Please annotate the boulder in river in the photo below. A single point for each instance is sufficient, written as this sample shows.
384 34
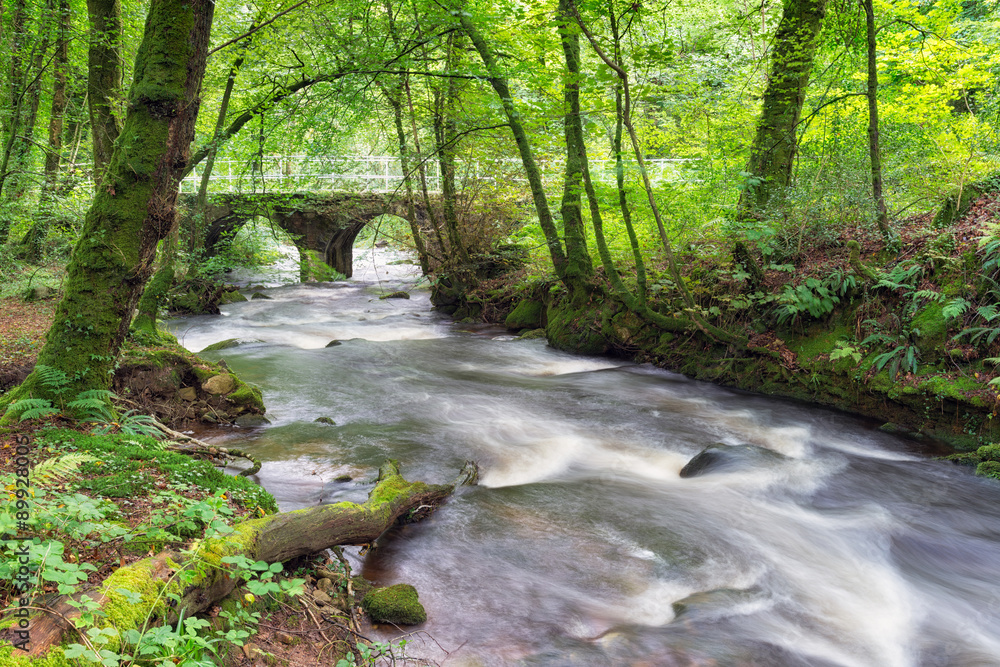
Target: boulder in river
259 295
396 604
715 603
396 295
728 458
250 421
325 420
220 384
529 314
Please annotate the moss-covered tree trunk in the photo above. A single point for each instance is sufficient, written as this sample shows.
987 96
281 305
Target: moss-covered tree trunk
275 538
134 208
579 267
104 80
774 145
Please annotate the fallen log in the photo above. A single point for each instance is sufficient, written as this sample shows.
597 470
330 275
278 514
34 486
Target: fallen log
275 538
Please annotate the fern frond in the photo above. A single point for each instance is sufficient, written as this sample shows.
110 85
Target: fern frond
59 468
96 394
53 378
32 408
955 308
928 294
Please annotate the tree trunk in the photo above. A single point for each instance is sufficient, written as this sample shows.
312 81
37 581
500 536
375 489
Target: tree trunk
275 538
31 244
59 78
104 84
446 131
773 151
133 209
873 149
533 173
195 238
18 102
579 268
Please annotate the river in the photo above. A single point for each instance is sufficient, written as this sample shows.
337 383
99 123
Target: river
822 542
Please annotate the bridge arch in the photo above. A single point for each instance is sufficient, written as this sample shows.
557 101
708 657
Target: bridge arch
325 224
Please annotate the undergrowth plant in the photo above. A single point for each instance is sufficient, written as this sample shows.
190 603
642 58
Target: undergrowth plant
94 406
65 521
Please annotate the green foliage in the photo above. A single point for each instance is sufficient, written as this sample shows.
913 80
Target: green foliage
903 357
814 297
59 468
845 351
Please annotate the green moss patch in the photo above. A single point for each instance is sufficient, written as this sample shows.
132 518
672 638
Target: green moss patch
527 315
128 463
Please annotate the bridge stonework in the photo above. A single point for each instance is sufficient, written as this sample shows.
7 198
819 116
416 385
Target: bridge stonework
327 224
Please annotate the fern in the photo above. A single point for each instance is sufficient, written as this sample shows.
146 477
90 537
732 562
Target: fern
955 308
94 404
33 408
58 468
928 294
53 378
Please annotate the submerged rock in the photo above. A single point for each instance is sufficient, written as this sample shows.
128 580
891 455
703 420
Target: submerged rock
727 458
334 343
714 603
396 295
250 421
325 420
394 604
259 295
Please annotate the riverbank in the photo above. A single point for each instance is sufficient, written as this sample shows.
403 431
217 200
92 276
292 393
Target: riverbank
910 338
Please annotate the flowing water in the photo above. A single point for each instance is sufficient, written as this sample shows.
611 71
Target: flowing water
822 541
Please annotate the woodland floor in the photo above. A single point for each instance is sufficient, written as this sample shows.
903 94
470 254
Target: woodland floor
23 326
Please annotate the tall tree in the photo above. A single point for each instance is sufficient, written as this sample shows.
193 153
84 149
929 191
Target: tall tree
875 155
134 208
773 151
104 83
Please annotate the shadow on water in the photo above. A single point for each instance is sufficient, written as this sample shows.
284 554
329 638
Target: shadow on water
583 545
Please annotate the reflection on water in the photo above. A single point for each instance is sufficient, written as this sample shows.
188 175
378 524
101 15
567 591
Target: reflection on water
583 545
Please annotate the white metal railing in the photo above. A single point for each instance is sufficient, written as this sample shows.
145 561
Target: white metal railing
384 174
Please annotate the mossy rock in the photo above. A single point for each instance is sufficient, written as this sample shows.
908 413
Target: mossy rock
933 328
574 330
395 295
527 315
247 396
223 345
258 295
532 333
233 296
396 604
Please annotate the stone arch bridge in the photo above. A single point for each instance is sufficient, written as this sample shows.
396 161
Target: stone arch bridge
327 223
